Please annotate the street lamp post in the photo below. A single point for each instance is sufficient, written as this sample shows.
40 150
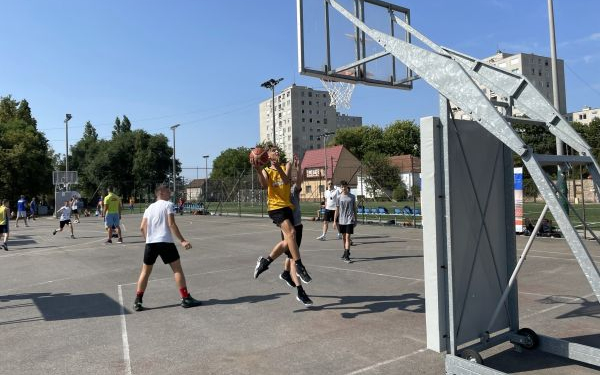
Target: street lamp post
174 171
270 84
324 137
560 173
205 180
67 118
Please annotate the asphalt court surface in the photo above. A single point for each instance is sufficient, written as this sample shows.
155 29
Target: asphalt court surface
66 304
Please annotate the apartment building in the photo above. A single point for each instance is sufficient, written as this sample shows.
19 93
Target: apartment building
302 115
585 116
537 69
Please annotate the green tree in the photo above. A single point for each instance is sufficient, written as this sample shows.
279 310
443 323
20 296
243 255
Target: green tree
24 153
230 163
401 138
382 176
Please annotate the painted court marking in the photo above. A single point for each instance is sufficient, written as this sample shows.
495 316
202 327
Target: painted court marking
368 273
372 367
124 338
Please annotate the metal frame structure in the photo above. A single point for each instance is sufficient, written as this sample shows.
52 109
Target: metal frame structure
459 78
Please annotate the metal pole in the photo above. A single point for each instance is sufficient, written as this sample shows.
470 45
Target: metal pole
205 180
273 107
67 118
174 171
560 173
511 281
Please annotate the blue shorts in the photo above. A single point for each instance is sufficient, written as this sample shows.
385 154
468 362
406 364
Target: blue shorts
112 221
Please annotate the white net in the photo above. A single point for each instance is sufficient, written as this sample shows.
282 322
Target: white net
340 92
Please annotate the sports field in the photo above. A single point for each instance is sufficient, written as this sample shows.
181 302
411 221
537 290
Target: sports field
66 304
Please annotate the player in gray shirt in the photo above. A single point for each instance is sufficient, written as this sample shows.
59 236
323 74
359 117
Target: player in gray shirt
345 215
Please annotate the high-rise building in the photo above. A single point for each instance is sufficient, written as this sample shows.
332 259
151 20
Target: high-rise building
537 69
301 115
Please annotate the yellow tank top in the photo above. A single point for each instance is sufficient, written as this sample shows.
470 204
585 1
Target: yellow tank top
278 192
3 215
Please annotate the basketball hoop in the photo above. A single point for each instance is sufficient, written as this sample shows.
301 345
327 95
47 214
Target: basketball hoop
340 92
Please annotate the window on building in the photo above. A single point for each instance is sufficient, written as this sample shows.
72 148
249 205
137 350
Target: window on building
302 111
302 93
303 119
308 189
309 120
309 102
532 70
310 94
324 121
304 128
318 122
303 102
310 138
318 130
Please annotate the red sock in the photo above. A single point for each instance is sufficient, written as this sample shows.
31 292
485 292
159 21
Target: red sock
184 292
139 293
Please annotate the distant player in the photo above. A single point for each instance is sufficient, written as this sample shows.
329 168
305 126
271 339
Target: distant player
65 218
4 218
112 215
32 208
75 208
158 226
331 196
21 211
345 215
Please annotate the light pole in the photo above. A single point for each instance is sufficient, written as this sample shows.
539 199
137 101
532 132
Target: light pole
205 180
67 118
324 137
560 173
174 172
270 84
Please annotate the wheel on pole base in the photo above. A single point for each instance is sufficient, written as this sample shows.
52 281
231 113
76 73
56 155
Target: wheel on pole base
471 355
531 338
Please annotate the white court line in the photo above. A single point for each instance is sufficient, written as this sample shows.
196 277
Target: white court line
555 258
557 306
372 367
369 273
556 252
124 338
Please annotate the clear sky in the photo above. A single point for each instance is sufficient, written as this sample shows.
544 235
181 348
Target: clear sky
200 63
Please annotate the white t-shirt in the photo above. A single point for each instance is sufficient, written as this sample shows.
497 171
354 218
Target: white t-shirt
157 216
65 213
74 205
331 197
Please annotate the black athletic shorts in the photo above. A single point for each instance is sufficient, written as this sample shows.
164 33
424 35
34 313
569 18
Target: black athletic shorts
4 228
166 250
280 215
74 211
329 215
64 222
298 229
346 228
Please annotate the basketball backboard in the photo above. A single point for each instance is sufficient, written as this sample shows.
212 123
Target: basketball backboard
330 47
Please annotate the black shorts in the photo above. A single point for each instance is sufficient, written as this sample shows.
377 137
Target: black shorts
329 215
349 229
74 211
64 222
166 250
4 228
280 215
298 229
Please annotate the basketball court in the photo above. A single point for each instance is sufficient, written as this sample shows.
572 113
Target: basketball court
66 305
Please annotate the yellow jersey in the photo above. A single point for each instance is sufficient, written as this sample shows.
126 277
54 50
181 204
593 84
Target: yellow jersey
278 192
3 215
112 202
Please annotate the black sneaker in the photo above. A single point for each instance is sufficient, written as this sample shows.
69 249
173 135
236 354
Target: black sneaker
262 264
189 301
5 247
54 232
108 241
285 276
73 236
302 274
347 258
137 305
344 254
302 297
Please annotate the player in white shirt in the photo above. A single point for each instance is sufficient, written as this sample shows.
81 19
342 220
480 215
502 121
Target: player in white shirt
65 218
331 197
158 226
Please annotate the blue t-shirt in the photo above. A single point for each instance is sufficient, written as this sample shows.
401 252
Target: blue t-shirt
21 204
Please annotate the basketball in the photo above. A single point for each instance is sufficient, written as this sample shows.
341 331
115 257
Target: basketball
259 156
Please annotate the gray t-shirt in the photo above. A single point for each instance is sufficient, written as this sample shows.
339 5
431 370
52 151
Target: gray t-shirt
295 199
346 205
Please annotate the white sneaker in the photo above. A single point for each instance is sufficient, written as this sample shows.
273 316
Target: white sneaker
321 237
339 236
